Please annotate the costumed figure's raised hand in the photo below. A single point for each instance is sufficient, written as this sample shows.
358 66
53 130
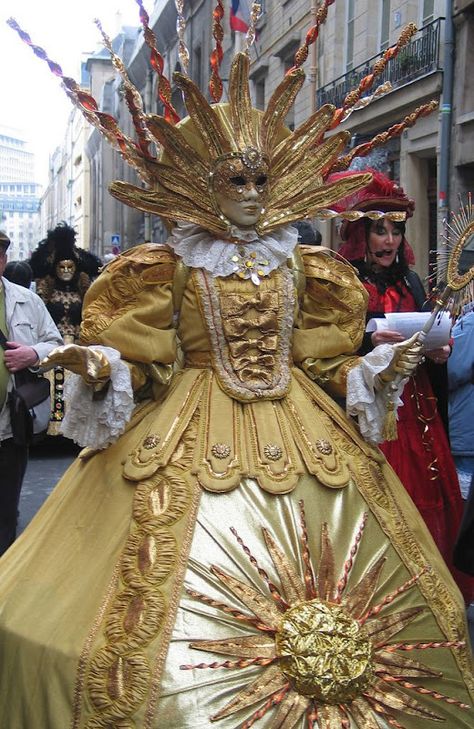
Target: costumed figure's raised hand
91 364
407 355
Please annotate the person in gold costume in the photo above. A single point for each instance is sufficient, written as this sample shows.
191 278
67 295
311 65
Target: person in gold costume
230 549
62 273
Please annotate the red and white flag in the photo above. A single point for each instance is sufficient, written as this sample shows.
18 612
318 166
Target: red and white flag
240 16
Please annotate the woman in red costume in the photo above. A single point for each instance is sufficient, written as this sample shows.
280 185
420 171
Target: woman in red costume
421 454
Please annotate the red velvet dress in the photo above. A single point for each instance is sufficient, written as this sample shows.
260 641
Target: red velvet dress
421 456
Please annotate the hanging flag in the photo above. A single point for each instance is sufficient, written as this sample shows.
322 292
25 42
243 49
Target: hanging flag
240 16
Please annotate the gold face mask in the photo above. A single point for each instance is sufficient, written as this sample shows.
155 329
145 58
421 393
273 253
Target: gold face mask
239 186
65 270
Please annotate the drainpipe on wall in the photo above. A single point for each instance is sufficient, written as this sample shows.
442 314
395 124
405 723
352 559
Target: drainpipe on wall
446 116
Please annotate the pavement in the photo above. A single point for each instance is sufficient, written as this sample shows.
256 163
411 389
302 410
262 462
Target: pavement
46 465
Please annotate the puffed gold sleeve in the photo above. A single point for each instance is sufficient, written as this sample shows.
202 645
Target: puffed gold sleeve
331 320
130 307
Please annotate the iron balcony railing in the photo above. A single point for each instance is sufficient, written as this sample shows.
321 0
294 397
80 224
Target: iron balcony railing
420 57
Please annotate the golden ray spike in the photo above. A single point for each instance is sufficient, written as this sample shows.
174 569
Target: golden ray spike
388 599
170 206
307 204
349 562
290 711
280 103
178 182
240 102
362 714
205 121
274 700
269 682
398 665
326 575
305 136
317 159
345 719
291 582
381 630
361 595
247 646
261 606
386 715
179 152
394 698
329 717
275 593
329 192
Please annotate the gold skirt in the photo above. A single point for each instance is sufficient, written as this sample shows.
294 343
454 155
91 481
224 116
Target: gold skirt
324 606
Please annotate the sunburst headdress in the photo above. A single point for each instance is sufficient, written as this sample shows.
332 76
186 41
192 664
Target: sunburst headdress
197 156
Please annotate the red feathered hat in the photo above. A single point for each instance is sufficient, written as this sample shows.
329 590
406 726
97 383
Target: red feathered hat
381 194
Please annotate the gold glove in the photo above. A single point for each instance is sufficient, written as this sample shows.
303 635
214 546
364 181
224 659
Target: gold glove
407 355
91 364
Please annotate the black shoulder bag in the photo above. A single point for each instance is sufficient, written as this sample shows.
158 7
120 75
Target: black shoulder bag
29 405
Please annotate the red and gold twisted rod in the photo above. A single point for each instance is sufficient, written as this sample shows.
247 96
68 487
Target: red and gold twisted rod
157 63
302 53
423 646
380 139
217 54
424 691
348 564
239 663
367 82
86 103
375 610
183 52
132 96
222 606
308 569
251 33
312 716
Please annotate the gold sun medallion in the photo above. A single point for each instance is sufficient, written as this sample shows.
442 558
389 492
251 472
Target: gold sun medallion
325 649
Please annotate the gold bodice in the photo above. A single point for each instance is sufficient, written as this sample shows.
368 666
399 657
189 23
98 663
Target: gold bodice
244 391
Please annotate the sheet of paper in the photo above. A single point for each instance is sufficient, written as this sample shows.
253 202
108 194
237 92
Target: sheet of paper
408 323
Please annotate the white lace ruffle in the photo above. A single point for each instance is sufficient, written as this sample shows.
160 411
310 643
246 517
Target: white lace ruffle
363 402
98 423
200 249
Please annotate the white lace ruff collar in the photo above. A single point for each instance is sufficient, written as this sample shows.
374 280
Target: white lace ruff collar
252 257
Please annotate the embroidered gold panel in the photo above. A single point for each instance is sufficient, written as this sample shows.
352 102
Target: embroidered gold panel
120 669
249 331
273 441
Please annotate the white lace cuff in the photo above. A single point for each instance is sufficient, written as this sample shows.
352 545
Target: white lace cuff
98 423
363 402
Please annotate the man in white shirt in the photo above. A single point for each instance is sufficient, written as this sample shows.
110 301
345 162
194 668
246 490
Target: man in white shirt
31 334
